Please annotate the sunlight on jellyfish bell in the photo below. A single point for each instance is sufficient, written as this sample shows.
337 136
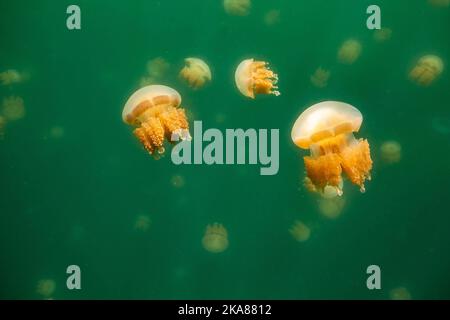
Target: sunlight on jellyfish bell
195 72
300 231
391 152
254 77
215 239
237 7
400 293
46 288
326 129
427 69
349 51
154 111
13 108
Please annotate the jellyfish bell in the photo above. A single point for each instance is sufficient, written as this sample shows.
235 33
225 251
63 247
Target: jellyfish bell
154 111
427 69
196 72
215 239
350 51
13 108
300 231
254 77
326 129
391 151
237 7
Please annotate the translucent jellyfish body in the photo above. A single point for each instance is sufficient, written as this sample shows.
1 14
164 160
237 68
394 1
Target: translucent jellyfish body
2 127
331 208
426 70
391 152
254 77
154 111
215 239
196 72
326 129
272 17
349 52
382 35
237 7
11 76
142 223
13 108
300 231
400 293
46 288
320 78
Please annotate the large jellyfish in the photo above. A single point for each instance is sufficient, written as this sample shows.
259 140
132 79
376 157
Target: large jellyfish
237 7
196 72
426 70
254 77
326 129
215 239
350 51
154 111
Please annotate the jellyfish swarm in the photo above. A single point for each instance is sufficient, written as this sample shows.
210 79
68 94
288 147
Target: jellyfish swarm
255 77
326 129
215 239
426 70
154 111
196 72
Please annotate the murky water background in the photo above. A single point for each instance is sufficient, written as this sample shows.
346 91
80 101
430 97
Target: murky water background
75 181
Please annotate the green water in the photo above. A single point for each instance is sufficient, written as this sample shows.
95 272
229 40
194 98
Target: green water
74 197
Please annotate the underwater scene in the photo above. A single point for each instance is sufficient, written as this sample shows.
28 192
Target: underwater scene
225 149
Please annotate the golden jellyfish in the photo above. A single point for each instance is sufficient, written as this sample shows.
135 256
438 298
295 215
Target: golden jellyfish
196 72
439 3
237 7
426 70
215 239
13 108
400 293
300 231
331 208
349 52
154 111
391 152
326 129
254 77
10 76
320 78
142 223
272 17
46 288
382 35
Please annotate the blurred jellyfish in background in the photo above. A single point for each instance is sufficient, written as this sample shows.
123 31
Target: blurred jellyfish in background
177 181
237 7
300 231
57 132
11 76
320 78
196 72
391 152
382 35
400 293
220 117
46 288
142 223
331 208
254 77
272 17
439 3
215 239
2 127
349 51
13 108
156 70
427 70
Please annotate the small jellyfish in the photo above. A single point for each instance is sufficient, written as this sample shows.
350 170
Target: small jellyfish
326 129
177 181
46 288
300 231
349 52
13 108
154 111
391 152
320 78
237 7
255 77
2 127
426 70
331 208
215 239
56 132
11 76
439 3
157 67
142 223
382 35
146 81
196 72
272 17
400 293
